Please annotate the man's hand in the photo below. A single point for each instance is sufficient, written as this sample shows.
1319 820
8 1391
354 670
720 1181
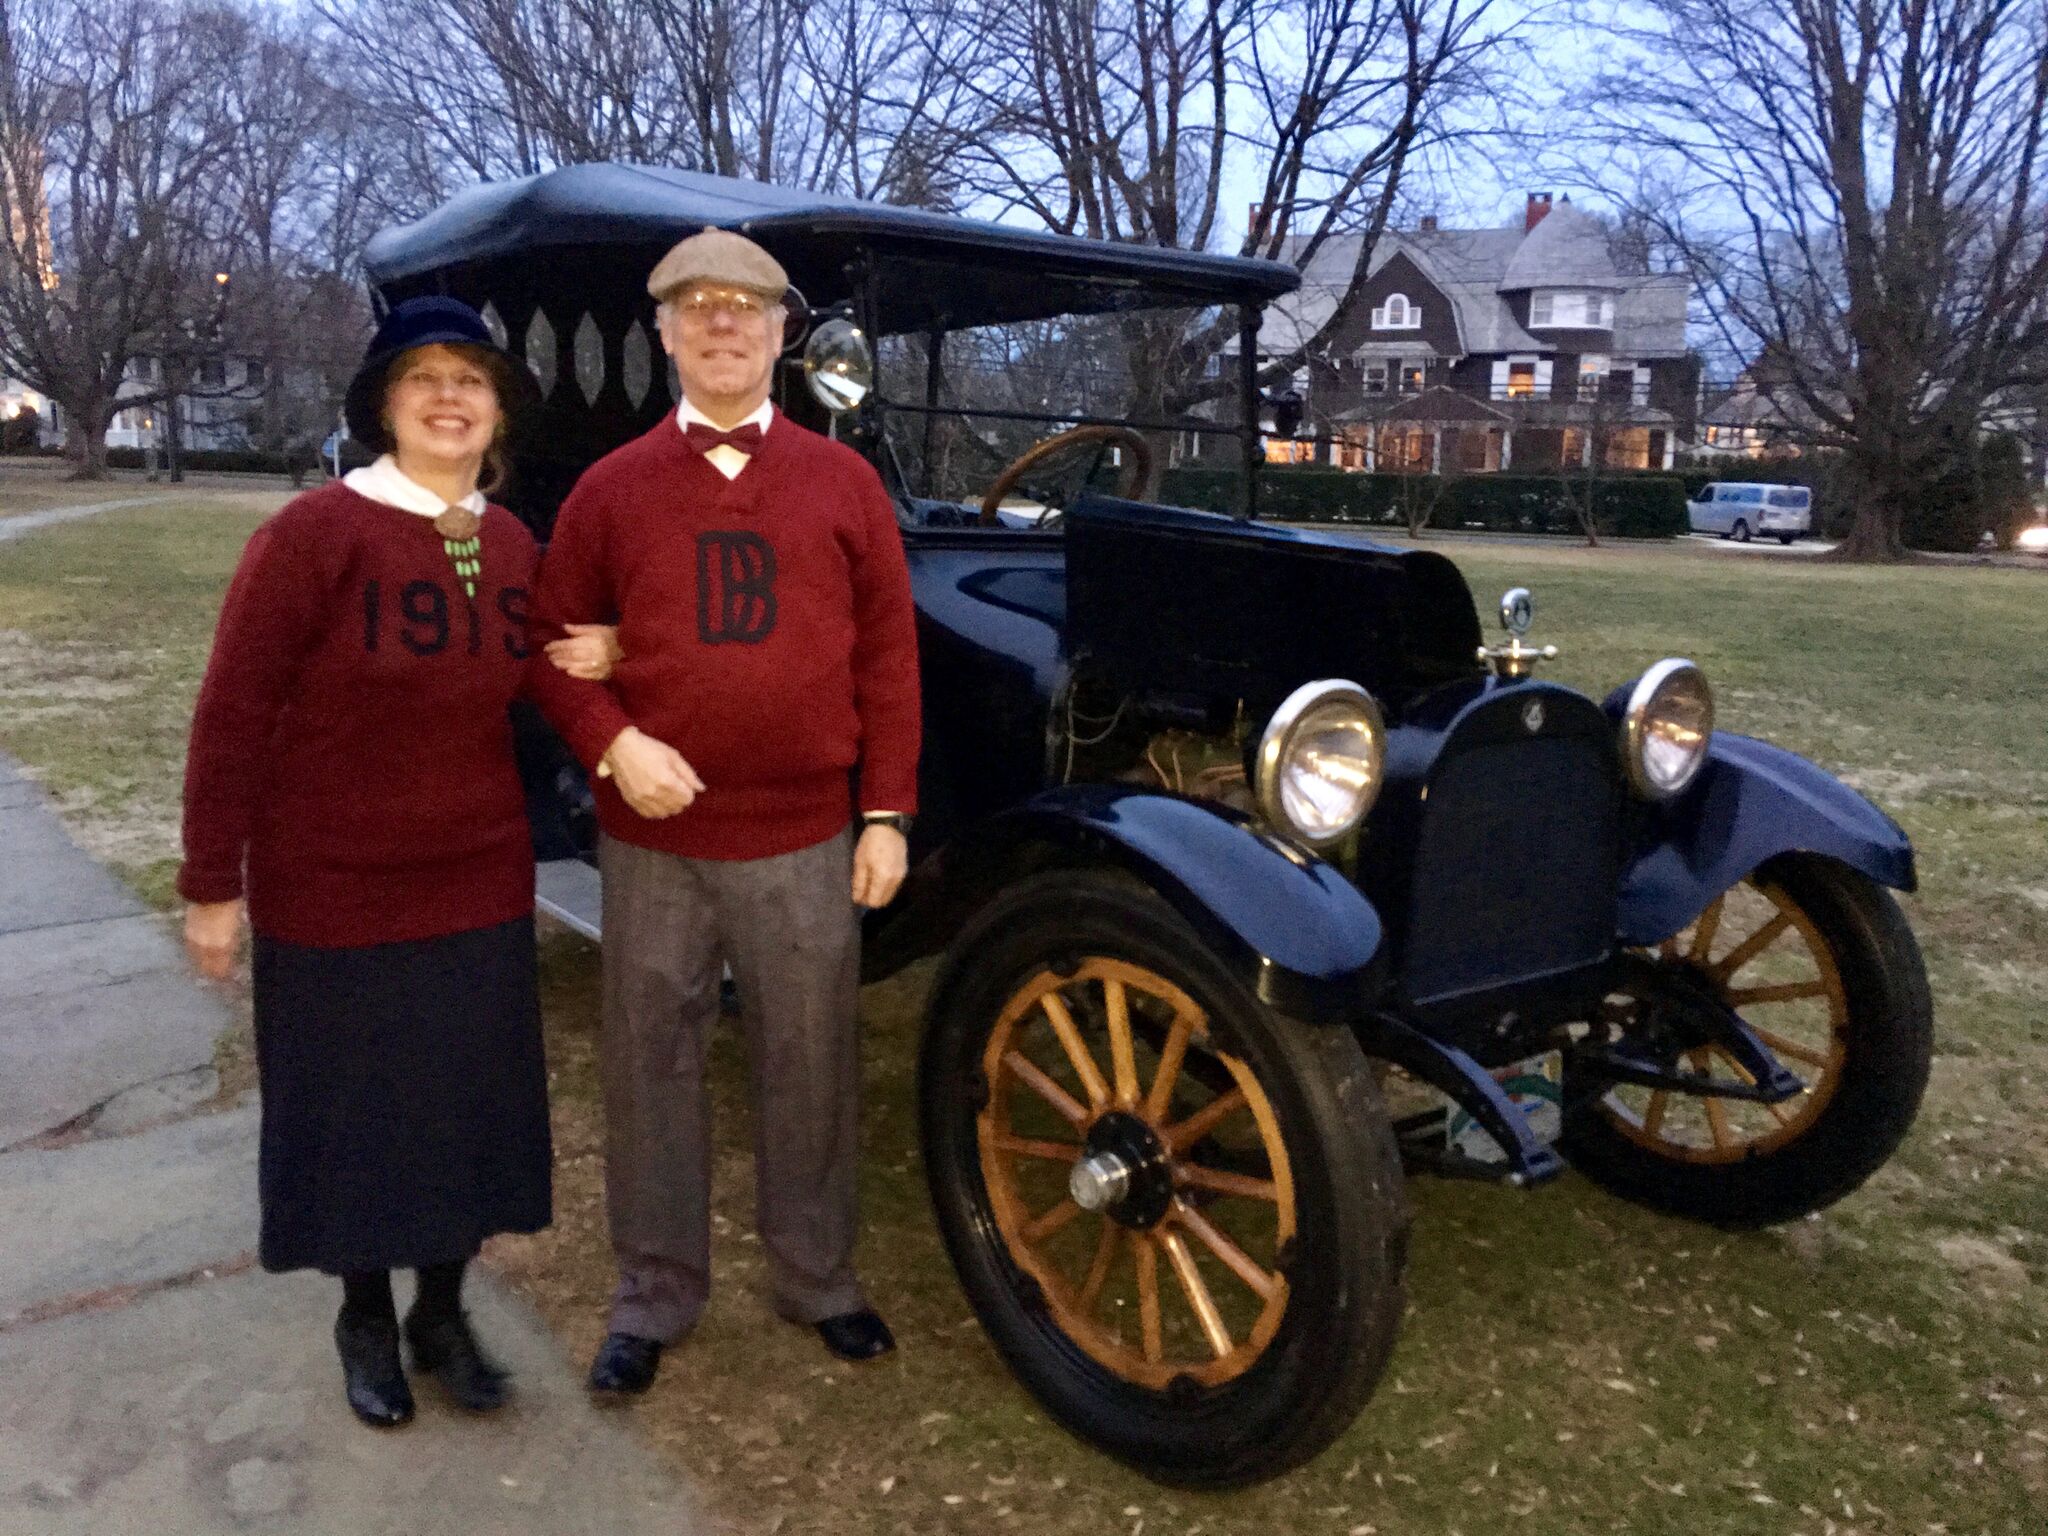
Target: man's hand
879 861
590 651
651 775
213 932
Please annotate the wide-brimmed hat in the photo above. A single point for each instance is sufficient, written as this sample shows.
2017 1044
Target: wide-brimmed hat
423 323
718 256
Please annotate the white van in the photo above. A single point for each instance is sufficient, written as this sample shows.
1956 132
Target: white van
1740 511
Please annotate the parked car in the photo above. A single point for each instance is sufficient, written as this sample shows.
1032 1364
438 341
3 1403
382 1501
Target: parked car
1740 511
1233 836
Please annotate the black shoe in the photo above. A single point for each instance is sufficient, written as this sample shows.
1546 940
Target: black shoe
625 1364
377 1388
856 1335
444 1346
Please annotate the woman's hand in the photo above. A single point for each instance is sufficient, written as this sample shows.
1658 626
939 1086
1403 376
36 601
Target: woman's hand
590 651
213 932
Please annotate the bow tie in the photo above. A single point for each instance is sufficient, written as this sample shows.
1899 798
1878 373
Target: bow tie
703 438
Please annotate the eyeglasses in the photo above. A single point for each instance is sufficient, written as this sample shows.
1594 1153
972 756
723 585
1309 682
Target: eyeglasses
703 303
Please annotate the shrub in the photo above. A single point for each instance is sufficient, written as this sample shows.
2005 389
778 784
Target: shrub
248 461
1628 505
18 432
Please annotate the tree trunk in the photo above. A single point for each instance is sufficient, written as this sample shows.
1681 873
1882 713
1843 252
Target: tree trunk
1879 485
85 438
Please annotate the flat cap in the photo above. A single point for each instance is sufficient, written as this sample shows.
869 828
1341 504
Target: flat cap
718 256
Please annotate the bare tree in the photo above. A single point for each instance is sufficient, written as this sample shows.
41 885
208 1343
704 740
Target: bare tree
840 94
1121 121
109 130
1858 186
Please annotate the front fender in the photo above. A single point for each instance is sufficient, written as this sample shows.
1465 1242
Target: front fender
1300 935
1751 802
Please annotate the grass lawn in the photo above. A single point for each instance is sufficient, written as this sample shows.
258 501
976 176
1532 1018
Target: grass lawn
1570 1364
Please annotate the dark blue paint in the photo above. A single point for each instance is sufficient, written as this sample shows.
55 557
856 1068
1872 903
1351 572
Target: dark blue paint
1751 802
1301 936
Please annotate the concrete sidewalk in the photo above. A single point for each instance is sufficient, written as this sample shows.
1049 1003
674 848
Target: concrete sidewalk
151 1378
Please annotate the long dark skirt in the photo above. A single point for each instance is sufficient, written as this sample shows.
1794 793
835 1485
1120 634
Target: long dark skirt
405 1113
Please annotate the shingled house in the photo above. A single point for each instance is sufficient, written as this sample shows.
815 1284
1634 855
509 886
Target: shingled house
1474 350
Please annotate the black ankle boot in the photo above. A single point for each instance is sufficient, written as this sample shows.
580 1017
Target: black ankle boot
377 1389
443 1345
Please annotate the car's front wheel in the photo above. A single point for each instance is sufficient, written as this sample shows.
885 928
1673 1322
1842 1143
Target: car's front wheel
1820 963
1740 532
1179 1216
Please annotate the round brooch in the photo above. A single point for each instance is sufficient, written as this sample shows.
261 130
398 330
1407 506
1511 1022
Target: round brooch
458 523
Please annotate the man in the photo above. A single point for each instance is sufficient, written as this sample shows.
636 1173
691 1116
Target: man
769 683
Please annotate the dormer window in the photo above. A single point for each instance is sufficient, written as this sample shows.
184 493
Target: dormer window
1563 309
1397 314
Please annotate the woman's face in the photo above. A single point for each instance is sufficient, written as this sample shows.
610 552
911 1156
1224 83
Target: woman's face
442 406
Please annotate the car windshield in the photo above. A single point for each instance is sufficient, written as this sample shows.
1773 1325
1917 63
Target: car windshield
1150 392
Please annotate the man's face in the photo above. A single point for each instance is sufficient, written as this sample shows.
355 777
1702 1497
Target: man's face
724 342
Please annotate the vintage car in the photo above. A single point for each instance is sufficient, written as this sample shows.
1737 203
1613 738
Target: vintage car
1259 878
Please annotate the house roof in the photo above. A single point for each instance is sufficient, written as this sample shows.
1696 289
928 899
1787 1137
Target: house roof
1475 268
1566 246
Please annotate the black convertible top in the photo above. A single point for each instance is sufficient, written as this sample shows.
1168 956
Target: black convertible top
934 269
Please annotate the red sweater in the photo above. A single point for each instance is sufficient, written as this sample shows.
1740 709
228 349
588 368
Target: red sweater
351 740
768 637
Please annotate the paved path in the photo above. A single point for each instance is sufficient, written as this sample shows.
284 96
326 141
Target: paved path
95 999
152 1379
27 522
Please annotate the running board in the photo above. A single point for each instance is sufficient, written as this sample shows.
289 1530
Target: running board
568 890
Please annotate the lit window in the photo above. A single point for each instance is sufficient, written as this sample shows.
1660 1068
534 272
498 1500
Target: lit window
1411 378
1521 380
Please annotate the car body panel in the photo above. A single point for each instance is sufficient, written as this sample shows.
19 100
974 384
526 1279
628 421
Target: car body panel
1751 802
1300 935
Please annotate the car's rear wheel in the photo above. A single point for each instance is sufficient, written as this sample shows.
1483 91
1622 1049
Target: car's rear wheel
1820 963
1740 532
1215 1294
1786 539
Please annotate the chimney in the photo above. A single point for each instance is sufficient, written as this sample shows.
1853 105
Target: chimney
1539 205
1428 225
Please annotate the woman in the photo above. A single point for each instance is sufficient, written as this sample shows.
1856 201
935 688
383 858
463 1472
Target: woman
351 752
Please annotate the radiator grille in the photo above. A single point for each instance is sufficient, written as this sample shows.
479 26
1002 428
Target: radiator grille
1516 868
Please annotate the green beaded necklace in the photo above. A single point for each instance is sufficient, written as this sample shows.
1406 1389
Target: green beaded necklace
461 533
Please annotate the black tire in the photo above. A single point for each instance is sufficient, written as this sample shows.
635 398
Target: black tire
1342 1268
1740 532
1886 1043
1786 539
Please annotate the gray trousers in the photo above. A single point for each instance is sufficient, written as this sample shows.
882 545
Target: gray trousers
788 928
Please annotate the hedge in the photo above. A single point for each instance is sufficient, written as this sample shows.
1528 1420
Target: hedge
1627 504
251 461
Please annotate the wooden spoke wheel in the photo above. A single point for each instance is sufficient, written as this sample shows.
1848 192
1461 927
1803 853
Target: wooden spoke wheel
1179 1216
1821 965
1173 1269
1765 958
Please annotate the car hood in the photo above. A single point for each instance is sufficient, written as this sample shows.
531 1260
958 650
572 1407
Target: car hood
1196 602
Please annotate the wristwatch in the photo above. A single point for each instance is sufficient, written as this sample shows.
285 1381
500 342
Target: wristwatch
896 819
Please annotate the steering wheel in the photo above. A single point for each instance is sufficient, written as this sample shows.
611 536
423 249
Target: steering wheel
1137 468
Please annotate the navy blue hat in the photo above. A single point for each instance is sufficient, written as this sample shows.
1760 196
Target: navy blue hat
423 323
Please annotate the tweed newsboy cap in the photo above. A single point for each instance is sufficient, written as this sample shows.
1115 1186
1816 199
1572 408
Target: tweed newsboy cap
718 256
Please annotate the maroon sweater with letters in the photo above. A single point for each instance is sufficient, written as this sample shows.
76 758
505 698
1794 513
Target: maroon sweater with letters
351 745
767 631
